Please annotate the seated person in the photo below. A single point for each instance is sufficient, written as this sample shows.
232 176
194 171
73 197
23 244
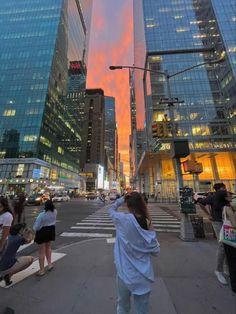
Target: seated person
9 264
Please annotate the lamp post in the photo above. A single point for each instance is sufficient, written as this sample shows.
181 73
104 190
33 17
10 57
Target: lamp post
171 101
186 233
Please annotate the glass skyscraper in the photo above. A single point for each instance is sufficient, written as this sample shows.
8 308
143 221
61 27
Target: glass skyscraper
110 128
39 39
178 35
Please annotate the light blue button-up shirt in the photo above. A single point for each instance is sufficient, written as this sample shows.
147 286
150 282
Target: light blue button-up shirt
133 249
45 219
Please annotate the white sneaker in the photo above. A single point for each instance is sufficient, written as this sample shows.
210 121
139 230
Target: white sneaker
221 277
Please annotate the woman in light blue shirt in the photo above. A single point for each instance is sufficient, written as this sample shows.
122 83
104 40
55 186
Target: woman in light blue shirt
135 243
45 233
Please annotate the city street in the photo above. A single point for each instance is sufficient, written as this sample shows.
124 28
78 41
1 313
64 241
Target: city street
83 281
69 213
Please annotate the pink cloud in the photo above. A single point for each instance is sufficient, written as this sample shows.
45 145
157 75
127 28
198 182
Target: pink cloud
111 42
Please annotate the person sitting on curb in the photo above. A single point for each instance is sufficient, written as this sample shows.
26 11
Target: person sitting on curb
9 264
135 243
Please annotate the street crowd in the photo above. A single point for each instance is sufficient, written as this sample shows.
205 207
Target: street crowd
136 242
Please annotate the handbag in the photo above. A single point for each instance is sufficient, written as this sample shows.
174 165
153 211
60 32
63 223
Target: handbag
227 232
26 232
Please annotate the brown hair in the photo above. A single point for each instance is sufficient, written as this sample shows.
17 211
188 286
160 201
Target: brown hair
136 204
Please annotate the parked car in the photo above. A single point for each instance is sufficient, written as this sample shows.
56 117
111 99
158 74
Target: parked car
35 199
91 196
61 198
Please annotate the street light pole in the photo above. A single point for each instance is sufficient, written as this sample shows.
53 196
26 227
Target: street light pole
186 232
171 101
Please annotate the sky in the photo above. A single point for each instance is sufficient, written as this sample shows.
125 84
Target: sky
111 43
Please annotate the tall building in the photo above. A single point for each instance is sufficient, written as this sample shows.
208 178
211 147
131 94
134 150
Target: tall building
39 39
93 152
110 128
178 35
75 101
132 101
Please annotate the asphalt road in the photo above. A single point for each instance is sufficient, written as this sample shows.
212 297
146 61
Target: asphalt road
69 213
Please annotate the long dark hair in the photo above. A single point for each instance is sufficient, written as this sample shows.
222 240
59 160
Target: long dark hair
136 204
5 205
49 206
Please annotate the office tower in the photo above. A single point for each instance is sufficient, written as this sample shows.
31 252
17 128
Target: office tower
39 39
94 126
75 101
93 152
110 127
178 35
132 101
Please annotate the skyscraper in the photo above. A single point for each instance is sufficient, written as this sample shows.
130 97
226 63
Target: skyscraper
110 127
39 39
179 35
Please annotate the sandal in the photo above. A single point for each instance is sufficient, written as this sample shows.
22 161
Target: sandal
50 268
40 273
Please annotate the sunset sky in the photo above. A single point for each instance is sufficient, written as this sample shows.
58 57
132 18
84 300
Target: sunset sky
111 43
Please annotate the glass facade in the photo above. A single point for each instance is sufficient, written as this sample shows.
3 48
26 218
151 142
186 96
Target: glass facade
39 39
205 111
110 128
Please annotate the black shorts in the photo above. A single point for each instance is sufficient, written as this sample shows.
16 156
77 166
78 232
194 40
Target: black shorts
45 234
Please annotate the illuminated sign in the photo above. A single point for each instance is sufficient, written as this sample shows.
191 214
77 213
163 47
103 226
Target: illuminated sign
192 166
87 174
75 67
100 177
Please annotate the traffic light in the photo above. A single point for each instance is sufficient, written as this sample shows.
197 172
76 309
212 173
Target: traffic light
161 129
154 129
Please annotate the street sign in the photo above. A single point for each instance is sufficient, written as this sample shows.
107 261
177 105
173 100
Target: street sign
156 145
192 166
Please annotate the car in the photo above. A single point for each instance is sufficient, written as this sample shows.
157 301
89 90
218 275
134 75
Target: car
199 195
61 198
113 196
35 199
91 196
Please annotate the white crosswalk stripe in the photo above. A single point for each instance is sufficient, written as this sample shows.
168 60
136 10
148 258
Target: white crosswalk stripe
101 223
32 269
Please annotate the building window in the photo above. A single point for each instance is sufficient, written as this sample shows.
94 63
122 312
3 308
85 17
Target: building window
30 138
60 150
45 141
9 113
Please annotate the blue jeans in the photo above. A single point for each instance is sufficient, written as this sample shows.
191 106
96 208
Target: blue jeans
141 302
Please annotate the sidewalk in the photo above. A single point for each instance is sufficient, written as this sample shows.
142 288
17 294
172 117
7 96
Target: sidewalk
83 282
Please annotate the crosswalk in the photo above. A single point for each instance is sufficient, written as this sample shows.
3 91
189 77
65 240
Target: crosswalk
100 225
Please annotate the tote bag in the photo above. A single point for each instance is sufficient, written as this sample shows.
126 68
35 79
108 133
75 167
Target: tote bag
227 232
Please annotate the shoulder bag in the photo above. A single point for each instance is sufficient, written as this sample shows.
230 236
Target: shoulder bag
227 232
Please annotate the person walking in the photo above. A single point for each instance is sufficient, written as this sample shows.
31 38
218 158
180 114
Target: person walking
217 201
19 207
229 215
44 227
135 243
9 264
6 219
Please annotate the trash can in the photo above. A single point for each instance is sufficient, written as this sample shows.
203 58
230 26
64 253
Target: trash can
197 223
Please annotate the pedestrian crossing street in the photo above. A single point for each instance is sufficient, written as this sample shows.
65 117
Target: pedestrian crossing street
100 225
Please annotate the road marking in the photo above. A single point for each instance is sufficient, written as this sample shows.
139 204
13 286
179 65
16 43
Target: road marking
32 269
86 235
22 247
111 240
95 223
92 228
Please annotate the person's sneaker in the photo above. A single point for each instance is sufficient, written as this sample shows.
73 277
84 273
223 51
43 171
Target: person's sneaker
221 277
